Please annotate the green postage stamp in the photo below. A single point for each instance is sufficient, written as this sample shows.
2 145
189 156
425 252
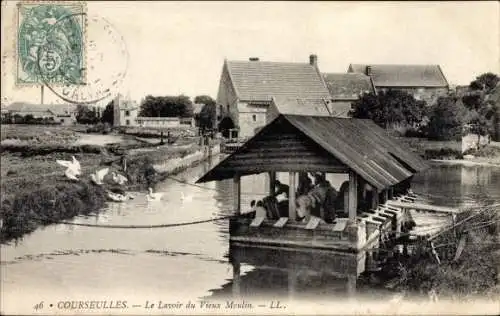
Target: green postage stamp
51 43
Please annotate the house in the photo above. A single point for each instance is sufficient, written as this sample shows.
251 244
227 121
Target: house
246 89
125 111
62 113
425 82
345 88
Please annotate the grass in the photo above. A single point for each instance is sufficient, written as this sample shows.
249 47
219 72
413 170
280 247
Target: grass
28 193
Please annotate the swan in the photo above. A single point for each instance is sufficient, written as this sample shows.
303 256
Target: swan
117 197
154 196
186 198
98 176
74 165
118 178
71 174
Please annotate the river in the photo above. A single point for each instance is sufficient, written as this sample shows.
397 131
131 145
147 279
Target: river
72 262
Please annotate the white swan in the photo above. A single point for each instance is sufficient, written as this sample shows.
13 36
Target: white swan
74 165
154 196
118 178
186 198
98 176
117 197
71 174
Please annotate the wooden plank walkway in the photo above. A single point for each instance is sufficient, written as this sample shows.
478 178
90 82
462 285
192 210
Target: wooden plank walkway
424 207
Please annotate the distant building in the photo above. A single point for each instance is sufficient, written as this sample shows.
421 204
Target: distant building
246 89
61 113
424 82
125 111
345 88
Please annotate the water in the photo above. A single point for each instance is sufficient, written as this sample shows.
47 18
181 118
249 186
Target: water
64 261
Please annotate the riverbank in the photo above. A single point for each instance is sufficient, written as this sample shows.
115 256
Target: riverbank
35 191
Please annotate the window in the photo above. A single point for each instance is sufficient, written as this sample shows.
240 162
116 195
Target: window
254 118
127 122
127 113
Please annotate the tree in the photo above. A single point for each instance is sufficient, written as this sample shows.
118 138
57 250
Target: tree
85 115
485 82
390 108
208 113
108 113
446 119
167 106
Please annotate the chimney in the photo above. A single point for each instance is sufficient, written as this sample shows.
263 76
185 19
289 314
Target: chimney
313 60
368 70
254 58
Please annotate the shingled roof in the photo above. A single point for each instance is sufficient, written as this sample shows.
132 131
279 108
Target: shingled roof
356 144
347 86
261 80
403 75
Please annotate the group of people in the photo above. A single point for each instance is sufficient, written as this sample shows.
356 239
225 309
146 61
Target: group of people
314 199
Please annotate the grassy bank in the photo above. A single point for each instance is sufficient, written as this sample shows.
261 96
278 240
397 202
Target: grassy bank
465 272
35 191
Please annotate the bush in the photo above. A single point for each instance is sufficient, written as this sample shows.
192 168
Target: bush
29 150
50 204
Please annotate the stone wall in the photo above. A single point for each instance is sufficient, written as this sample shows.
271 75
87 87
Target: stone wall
179 164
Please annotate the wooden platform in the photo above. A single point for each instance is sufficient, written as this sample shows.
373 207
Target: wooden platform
424 207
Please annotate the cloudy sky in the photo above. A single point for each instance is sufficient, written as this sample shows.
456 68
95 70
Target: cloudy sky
179 47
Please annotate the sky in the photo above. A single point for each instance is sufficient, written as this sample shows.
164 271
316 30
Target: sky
179 47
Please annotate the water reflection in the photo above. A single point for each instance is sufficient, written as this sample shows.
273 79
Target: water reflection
175 261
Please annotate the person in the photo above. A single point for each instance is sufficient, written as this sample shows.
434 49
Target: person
282 200
252 206
305 184
280 188
304 214
260 211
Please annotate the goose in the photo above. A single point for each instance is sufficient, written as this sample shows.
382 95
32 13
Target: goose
71 174
154 196
73 165
98 176
118 178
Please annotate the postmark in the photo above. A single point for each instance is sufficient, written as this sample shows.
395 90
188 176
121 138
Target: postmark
51 43
107 64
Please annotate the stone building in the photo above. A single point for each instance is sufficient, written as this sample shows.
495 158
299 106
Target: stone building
125 111
246 89
345 88
64 114
424 82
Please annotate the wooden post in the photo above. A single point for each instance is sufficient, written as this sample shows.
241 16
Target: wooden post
351 286
272 178
385 195
353 196
237 194
291 197
374 198
236 280
390 193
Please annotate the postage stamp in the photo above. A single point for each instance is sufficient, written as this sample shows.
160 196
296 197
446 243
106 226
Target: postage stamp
51 39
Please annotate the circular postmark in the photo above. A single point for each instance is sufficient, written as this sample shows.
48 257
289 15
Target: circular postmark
96 81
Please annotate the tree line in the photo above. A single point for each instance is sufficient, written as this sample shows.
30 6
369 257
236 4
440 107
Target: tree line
158 106
448 119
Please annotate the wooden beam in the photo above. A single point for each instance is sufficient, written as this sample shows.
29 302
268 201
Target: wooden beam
291 197
272 178
374 198
353 195
237 194
425 207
